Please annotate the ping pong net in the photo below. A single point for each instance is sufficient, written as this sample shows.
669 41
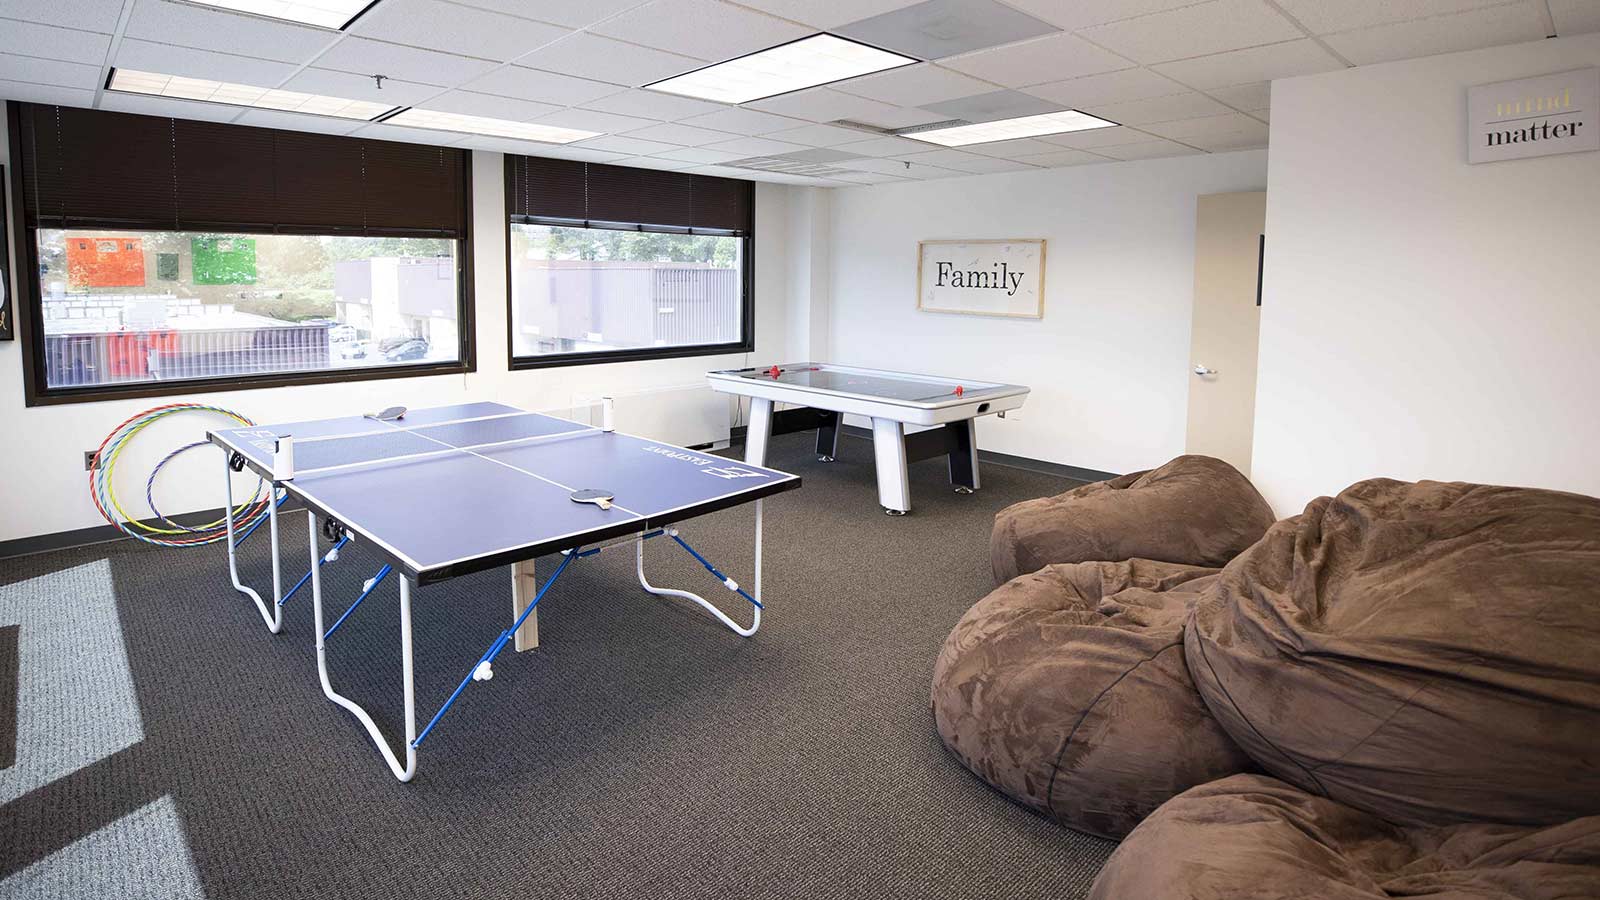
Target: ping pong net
396 442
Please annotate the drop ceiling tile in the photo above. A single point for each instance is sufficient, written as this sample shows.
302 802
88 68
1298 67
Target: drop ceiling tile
1265 63
939 28
1323 17
970 163
817 135
632 146
89 15
737 120
884 146
557 12
822 105
49 42
541 87
52 72
1016 149
368 57
603 59
168 106
1037 61
821 155
208 28
706 29
699 156
349 85
433 137
1443 34
993 105
652 105
1112 87
826 14
869 178
1062 157
589 120
1575 16
894 167
1226 143
916 85
1212 27
470 103
684 135
1160 109
1148 150
1075 14
504 145
754 146
451 28
655 162
723 172
1097 137
1248 97
167 59
44 93
269 118
1208 126
889 116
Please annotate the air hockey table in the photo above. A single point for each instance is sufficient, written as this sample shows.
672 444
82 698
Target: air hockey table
946 408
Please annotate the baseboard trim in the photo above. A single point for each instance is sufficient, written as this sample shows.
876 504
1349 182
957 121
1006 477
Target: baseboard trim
98 534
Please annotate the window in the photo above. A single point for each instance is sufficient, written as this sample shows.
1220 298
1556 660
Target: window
173 256
608 263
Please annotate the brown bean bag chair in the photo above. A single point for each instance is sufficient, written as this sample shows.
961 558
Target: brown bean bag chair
1194 510
1251 837
1066 689
1427 652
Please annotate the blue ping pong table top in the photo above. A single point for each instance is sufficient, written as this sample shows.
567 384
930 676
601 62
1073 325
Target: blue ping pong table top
436 510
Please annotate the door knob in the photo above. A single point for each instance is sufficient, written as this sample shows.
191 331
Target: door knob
1201 370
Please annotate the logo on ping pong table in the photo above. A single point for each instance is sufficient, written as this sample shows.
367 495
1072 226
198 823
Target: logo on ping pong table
727 471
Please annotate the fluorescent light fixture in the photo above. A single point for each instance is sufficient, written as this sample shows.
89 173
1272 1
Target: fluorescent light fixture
322 13
522 131
808 62
1008 129
132 81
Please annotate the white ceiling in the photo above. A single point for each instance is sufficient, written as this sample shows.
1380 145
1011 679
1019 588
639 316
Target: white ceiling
1183 77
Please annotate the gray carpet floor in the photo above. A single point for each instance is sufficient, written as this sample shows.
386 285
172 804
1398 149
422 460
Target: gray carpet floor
641 751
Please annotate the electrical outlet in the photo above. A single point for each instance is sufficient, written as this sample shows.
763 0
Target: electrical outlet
89 461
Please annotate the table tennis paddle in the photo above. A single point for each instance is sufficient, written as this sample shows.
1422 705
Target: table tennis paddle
389 415
599 498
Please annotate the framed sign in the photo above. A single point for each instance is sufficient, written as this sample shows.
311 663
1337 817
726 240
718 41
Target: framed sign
7 328
982 277
1534 116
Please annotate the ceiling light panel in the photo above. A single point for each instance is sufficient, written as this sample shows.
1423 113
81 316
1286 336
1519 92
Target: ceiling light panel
522 131
1009 129
321 13
808 62
132 81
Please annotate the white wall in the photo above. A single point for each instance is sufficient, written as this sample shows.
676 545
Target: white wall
44 486
1108 363
1424 318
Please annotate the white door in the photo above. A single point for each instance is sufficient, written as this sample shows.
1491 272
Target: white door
1226 325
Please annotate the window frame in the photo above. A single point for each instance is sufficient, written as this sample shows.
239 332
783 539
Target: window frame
747 301
27 309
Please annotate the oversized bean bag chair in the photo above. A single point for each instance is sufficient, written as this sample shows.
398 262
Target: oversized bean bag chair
1251 837
1194 510
1428 653
1066 689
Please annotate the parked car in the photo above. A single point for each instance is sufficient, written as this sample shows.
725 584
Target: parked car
406 350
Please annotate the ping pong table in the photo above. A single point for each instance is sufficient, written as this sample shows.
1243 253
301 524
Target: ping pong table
451 490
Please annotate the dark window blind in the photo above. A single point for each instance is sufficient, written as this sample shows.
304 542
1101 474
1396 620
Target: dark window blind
541 188
93 168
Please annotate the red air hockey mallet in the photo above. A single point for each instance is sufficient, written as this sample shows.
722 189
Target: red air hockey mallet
774 371
959 390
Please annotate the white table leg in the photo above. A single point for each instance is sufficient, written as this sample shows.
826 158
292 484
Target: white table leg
272 615
889 448
758 431
524 587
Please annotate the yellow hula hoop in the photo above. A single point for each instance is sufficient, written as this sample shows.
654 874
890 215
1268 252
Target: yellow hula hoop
111 485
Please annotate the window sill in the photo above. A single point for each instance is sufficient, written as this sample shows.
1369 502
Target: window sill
99 393
556 360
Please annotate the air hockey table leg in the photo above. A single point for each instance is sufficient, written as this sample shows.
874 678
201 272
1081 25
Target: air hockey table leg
889 450
962 438
758 431
524 587
828 438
